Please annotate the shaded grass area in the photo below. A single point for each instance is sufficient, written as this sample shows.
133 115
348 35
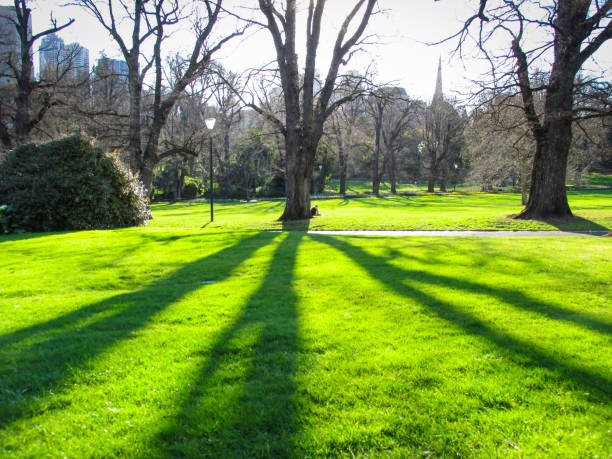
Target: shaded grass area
157 342
598 180
448 211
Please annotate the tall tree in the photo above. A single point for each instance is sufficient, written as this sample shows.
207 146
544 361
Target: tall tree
228 110
441 134
306 108
344 127
24 101
499 144
391 112
573 31
150 23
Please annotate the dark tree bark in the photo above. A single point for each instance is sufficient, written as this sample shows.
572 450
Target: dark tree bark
306 113
376 169
443 173
431 179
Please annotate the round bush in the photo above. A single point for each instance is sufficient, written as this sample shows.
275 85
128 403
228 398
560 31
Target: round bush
69 184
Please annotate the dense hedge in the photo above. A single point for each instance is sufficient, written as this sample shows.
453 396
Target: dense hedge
69 184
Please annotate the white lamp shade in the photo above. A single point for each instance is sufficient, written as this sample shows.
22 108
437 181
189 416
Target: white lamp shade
210 123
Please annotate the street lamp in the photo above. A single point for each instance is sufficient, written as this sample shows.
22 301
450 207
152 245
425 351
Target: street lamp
210 124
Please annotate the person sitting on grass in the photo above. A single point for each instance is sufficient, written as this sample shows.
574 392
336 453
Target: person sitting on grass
314 212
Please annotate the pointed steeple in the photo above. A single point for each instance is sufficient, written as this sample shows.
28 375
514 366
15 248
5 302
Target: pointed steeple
438 95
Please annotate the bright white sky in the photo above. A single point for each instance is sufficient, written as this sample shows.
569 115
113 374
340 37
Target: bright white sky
400 55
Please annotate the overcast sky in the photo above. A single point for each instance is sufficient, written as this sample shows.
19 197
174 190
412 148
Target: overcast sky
400 54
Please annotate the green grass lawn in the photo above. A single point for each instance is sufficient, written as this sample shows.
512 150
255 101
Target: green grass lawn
440 211
177 340
364 186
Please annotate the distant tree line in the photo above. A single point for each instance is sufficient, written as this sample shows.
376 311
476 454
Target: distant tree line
285 130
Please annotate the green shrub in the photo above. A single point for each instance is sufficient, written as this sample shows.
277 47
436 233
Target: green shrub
69 184
192 188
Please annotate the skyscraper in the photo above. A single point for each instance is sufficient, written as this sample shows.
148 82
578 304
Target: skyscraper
80 59
110 82
56 57
10 46
49 53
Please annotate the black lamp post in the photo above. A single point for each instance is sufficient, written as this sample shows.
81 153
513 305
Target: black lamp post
210 124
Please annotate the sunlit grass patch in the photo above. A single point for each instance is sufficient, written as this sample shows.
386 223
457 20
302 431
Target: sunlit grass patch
159 341
446 211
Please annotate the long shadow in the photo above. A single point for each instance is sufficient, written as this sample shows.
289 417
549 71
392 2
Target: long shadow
576 224
59 323
44 355
296 225
526 353
25 236
510 296
243 402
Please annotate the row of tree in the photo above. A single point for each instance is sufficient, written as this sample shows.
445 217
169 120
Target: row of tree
285 121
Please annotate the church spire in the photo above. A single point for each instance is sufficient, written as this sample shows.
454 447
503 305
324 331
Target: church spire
438 95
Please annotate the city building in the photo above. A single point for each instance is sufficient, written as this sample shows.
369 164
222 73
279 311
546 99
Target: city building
10 46
118 67
56 57
110 82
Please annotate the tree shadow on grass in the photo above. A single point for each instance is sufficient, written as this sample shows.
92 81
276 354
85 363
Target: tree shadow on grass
296 225
39 359
525 353
514 297
26 236
243 402
577 224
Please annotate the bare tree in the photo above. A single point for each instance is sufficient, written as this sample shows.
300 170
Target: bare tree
500 145
228 106
150 24
572 32
391 113
441 134
307 109
346 126
24 101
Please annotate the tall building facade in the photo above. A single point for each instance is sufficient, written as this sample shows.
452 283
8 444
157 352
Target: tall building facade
110 82
118 67
56 57
10 45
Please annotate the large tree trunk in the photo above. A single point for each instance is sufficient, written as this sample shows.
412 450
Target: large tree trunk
341 163
378 138
342 174
431 180
297 206
134 136
376 185
392 173
146 175
548 197
298 176
443 171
